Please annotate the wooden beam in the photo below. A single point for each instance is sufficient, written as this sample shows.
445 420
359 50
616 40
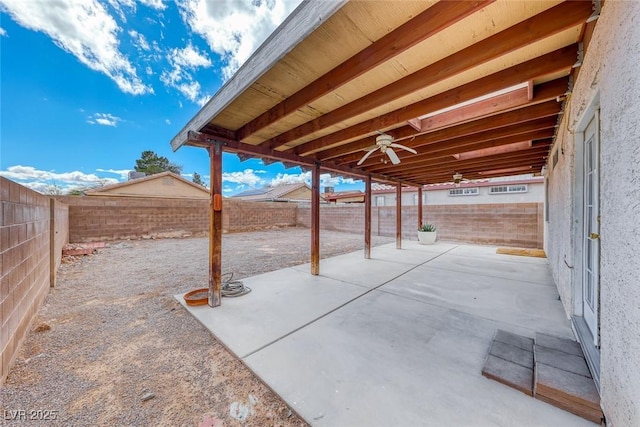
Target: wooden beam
199 139
524 159
545 93
486 107
315 220
419 207
367 217
537 130
545 24
560 60
215 227
398 216
433 20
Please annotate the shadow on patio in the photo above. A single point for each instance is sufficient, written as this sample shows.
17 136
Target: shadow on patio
399 339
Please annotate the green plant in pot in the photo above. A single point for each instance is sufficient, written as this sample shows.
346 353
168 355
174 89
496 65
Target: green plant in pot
427 234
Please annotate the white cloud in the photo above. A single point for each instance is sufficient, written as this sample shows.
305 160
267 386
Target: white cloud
3 32
139 40
247 177
227 190
155 4
286 178
234 29
118 5
124 173
167 121
183 62
48 181
85 29
104 119
325 179
149 71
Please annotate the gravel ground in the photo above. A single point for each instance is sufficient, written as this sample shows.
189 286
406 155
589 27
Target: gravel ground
112 347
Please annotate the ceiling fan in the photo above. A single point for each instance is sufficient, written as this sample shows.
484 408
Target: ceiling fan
385 144
457 179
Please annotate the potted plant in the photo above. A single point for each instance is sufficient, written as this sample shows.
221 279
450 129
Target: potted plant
427 234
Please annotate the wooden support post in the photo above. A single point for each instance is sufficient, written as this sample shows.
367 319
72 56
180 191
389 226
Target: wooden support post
215 226
398 216
419 207
367 217
315 220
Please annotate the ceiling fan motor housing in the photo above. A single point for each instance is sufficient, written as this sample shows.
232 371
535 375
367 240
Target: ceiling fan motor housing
384 139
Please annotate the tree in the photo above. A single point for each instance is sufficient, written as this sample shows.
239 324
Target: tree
198 180
150 163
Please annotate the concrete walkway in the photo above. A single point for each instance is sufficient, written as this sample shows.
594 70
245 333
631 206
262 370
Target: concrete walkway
397 340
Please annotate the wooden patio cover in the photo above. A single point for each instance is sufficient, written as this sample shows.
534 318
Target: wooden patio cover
475 87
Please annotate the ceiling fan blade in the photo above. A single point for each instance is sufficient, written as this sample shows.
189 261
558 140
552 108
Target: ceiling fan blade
367 155
371 147
404 147
392 156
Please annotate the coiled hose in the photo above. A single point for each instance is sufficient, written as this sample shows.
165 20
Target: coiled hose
233 288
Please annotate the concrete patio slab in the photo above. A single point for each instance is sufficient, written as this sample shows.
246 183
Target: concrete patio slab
385 264
524 271
477 251
387 342
517 303
279 302
390 361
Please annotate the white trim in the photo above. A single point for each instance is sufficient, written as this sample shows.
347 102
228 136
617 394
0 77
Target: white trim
466 191
302 22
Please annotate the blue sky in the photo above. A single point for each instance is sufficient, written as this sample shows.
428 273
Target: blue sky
87 85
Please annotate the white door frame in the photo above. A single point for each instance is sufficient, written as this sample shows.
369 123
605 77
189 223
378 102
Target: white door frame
589 341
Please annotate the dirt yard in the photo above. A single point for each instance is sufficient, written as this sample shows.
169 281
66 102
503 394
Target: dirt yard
112 347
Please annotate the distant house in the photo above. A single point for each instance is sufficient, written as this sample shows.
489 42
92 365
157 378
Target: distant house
165 185
281 193
515 189
344 197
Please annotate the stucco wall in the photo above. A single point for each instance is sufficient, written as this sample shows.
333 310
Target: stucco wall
534 194
610 69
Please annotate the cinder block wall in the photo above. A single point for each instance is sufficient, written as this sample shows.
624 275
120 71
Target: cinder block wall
115 218
509 224
93 219
240 215
26 261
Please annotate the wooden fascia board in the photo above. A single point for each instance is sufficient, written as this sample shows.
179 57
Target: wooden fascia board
199 139
550 63
433 20
545 24
300 23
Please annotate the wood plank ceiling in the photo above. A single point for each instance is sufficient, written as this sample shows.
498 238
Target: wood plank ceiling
475 87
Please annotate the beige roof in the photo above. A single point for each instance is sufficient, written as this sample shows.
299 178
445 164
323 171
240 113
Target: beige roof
165 184
474 87
276 193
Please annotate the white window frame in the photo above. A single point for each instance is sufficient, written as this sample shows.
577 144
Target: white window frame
378 199
466 191
511 188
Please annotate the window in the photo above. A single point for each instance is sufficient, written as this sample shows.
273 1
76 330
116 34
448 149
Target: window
504 189
472 191
415 199
379 200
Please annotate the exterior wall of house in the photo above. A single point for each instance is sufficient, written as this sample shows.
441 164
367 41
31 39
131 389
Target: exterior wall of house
513 224
610 72
534 194
302 193
32 233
